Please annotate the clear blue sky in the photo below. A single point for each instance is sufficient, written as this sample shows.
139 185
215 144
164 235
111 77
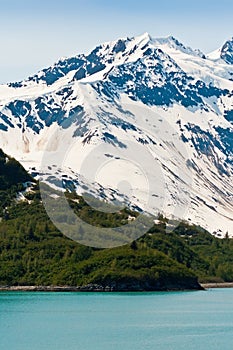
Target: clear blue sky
34 34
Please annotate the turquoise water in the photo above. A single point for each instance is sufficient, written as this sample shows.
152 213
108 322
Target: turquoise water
98 321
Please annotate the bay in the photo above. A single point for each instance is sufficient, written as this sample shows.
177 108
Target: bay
125 321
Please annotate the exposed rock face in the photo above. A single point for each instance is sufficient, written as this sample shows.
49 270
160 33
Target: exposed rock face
227 51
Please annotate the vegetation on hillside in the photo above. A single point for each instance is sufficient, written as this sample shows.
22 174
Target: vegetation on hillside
34 252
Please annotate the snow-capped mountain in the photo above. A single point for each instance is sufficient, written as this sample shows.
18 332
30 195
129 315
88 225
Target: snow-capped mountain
152 112
224 53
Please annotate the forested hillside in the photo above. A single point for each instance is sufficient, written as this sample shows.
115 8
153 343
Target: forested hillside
34 252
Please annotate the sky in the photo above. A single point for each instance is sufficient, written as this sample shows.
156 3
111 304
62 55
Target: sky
34 34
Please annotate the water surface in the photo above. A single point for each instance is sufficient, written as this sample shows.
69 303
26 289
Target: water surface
125 321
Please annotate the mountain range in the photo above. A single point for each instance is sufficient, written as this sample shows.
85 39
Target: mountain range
138 120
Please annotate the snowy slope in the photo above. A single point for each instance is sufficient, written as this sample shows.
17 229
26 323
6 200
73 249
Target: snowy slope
140 120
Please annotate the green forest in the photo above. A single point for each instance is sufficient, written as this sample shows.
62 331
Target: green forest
34 252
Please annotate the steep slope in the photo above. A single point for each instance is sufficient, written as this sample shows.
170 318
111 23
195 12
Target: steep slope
225 53
11 172
151 110
14 182
31 248
34 253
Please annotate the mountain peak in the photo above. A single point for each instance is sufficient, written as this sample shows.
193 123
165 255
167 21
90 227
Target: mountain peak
168 40
103 56
144 39
172 43
145 36
227 51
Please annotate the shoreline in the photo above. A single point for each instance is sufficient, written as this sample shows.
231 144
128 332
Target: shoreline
99 288
217 285
87 288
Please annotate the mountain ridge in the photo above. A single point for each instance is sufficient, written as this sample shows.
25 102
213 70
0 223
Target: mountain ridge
72 63
102 97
